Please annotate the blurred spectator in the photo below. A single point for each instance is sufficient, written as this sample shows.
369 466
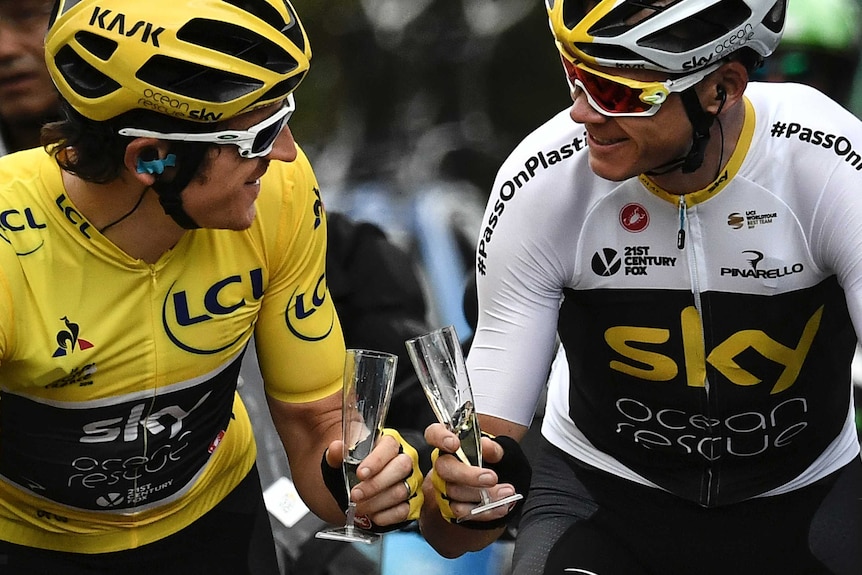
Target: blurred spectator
821 47
27 95
390 74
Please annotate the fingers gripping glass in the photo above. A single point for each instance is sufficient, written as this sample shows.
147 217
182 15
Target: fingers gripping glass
253 142
617 96
439 364
369 377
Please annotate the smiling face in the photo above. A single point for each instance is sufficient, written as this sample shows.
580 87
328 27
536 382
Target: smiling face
26 90
625 147
222 195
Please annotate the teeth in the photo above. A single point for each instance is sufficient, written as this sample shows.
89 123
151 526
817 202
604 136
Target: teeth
606 142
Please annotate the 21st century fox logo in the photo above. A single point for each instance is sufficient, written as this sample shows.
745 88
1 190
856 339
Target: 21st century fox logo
635 261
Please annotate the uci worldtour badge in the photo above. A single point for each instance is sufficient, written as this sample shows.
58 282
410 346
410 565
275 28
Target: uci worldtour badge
192 316
308 316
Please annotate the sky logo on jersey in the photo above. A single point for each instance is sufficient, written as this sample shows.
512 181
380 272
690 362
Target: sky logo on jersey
307 317
189 315
68 340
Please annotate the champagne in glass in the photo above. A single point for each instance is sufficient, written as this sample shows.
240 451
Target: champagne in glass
439 363
369 377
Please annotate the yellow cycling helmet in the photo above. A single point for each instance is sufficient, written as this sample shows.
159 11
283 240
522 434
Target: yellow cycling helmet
198 60
676 36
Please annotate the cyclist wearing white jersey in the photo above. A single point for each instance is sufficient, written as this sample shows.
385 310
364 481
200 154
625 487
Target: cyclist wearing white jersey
694 240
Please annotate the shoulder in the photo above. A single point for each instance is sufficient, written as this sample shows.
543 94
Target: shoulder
555 142
787 110
801 130
24 166
289 187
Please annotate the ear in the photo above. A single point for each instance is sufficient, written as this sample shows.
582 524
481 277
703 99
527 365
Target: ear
146 158
724 88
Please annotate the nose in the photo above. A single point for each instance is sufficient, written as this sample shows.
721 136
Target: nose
582 111
284 148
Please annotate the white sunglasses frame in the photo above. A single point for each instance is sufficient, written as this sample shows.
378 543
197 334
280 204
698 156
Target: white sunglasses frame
243 139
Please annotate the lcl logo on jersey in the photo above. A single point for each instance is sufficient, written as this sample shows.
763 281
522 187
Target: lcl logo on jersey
304 316
18 222
184 311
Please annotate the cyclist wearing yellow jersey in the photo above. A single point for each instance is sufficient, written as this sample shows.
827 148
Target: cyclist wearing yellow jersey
694 241
169 218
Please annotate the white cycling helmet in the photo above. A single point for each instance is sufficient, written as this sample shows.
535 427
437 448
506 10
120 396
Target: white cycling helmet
676 36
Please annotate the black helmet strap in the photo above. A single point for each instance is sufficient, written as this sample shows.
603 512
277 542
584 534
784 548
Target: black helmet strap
701 122
189 160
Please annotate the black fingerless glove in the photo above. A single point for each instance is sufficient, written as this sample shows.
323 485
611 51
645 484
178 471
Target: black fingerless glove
333 478
335 481
513 468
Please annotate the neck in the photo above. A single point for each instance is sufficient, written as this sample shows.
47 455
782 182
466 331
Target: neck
723 138
144 232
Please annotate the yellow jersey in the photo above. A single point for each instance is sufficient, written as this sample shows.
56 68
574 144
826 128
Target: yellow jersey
119 418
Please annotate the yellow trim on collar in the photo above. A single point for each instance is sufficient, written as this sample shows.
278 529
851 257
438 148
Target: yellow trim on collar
739 154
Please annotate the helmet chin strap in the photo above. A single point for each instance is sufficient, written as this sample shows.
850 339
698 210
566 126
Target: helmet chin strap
701 122
170 192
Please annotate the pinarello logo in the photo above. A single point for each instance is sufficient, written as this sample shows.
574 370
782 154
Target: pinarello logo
634 218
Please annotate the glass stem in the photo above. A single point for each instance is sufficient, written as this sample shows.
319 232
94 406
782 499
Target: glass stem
351 515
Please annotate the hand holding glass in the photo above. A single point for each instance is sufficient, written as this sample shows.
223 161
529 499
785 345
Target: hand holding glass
368 380
439 363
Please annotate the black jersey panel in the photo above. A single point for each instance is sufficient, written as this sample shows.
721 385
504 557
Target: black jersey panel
734 417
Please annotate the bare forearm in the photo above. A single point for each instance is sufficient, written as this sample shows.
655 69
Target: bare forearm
306 432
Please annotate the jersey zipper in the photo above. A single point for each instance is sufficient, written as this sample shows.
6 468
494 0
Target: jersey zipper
708 479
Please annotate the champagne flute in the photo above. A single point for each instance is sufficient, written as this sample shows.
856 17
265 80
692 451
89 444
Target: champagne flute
439 364
368 381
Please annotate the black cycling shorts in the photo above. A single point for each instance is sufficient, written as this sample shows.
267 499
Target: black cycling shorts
234 538
580 520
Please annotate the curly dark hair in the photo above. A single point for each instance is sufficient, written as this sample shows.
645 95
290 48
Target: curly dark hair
94 151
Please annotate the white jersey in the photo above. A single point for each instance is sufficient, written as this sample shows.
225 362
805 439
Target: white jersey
709 336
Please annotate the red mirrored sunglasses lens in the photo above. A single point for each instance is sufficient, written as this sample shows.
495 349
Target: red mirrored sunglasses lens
611 96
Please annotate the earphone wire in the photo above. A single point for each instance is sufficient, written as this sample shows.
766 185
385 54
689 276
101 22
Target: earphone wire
126 215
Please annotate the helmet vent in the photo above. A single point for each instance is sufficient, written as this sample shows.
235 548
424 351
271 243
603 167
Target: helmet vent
608 52
99 46
264 10
195 81
238 42
83 78
574 11
283 88
702 28
774 20
628 15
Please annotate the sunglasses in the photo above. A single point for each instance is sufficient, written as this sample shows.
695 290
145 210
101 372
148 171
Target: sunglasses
617 96
252 142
